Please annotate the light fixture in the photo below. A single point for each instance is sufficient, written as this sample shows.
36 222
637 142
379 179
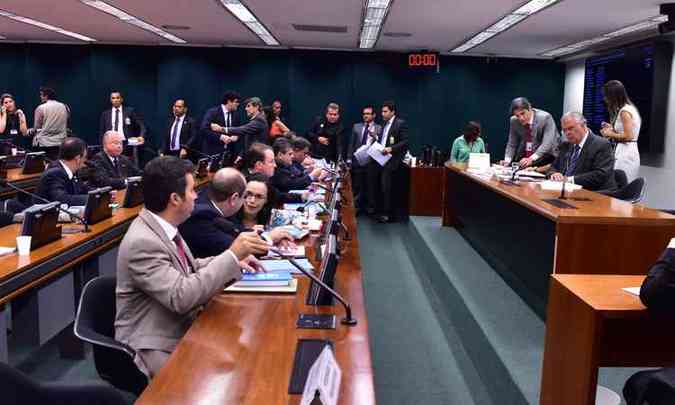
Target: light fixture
373 16
504 23
130 19
637 27
243 14
45 26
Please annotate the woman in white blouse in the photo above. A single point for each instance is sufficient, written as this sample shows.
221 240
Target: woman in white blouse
624 129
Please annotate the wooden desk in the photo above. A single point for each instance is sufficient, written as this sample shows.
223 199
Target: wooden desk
592 323
426 185
26 181
525 238
240 349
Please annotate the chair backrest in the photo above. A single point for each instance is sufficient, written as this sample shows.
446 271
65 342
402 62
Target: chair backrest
95 324
620 178
634 192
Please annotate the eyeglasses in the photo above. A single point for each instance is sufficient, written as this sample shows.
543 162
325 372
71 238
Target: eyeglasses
255 196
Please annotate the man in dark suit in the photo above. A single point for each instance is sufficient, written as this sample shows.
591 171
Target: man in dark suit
122 119
255 130
181 130
214 140
394 138
259 158
585 159
326 134
362 133
286 177
658 289
533 135
109 167
59 182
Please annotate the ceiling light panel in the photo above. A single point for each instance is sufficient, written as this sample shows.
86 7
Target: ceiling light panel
504 23
374 14
40 24
132 20
243 14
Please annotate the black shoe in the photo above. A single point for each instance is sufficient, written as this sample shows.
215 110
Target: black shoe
383 219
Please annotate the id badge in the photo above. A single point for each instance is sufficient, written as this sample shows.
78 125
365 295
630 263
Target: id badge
127 121
528 146
13 132
671 245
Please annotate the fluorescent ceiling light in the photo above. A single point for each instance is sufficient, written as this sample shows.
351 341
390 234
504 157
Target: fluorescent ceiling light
45 26
243 14
504 23
130 19
637 27
374 14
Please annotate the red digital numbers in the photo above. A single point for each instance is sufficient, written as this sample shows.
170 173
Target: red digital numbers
422 59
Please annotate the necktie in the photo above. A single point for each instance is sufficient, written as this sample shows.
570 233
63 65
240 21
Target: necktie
572 164
528 140
227 119
364 136
174 135
181 253
116 166
117 120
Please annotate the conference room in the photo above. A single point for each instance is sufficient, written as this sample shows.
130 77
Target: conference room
337 202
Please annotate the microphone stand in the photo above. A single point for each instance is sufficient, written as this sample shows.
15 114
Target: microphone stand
348 319
562 191
4 182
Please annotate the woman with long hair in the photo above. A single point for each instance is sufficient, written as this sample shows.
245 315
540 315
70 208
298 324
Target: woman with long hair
624 128
12 120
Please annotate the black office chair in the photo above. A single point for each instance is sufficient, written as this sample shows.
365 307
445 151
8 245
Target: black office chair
94 324
19 389
656 387
634 192
620 178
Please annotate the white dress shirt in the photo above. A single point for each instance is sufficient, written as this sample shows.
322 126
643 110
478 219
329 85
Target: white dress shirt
67 169
120 122
385 131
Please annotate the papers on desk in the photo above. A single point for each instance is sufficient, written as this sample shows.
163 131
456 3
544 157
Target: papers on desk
6 250
299 251
479 163
324 379
632 290
375 152
550 185
291 288
270 279
361 154
285 266
532 173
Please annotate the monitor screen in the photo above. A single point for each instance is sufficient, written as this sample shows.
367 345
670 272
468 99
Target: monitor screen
318 295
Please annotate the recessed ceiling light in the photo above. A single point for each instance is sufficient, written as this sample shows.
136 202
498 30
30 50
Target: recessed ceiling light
243 14
45 26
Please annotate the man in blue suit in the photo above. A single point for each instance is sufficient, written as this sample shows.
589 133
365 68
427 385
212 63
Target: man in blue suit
216 120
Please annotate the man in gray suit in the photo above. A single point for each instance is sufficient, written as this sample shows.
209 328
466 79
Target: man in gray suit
533 135
362 133
585 159
160 286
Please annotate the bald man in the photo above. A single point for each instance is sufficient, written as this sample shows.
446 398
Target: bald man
109 167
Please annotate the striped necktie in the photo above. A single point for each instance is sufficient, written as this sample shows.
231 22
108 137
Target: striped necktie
572 164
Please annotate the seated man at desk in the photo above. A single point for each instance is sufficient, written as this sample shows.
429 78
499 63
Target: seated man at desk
109 167
210 229
259 158
585 159
60 182
161 287
287 177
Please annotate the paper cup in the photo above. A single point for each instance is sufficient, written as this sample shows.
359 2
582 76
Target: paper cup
13 151
23 245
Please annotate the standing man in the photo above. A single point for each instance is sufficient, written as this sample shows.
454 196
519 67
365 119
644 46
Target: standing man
214 141
362 133
277 111
109 167
533 135
255 130
394 138
181 130
326 134
122 119
51 123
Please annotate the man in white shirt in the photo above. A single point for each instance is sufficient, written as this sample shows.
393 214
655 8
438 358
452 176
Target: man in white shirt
122 119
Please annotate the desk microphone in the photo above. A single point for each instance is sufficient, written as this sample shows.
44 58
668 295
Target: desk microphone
347 320
200 153
4 182
562 191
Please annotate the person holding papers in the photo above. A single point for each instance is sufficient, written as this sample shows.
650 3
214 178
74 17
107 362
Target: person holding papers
393 144
363 134
532 135
286 177
585 159
161 287
468 143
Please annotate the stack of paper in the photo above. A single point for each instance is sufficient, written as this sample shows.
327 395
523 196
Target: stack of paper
375 152
271 279
285 266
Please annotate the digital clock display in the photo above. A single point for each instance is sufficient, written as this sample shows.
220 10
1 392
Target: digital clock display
422 61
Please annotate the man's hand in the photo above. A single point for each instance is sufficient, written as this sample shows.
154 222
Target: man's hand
304 195
316 173
558 177
323 140
234 138
225 139
251 265
217 128
248 243
386 151
183 153
281 237
525 162
504 163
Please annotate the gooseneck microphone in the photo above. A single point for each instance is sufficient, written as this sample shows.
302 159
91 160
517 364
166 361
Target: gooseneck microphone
348 319
4 182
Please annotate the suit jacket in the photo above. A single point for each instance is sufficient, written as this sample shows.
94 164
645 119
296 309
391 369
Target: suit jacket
55 185
595 167
397 140
276 197
157 297
187 136
287 178
256 130
102 173
544 136
207 232
210 142
132 122
335 134
658 289
356 140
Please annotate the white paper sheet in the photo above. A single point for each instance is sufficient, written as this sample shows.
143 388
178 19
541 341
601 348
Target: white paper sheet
632 290
361 154
375 152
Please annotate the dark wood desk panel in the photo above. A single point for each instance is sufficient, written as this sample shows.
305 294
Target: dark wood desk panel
26 181
426 185
525 238
593 323
241 347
